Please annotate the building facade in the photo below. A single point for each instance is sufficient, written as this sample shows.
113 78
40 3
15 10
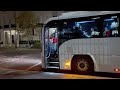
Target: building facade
8 31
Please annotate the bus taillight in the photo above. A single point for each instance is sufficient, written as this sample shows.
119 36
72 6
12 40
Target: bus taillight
117 70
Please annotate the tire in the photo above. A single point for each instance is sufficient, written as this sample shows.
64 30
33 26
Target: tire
82 65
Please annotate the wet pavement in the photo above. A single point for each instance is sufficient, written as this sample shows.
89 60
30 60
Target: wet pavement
20 59
12 73
23 74
26 64
52 75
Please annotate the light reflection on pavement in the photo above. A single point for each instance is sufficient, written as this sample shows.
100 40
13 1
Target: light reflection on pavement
51 75
21 62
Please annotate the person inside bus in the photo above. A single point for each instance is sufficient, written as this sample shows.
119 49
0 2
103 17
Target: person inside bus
94 32
78 33
51 43
114 27
106 32
55 43
63 32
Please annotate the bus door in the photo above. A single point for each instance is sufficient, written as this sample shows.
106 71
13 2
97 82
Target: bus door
51 48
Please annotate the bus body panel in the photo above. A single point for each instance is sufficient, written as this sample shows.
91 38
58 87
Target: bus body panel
78 14
43 51
106 54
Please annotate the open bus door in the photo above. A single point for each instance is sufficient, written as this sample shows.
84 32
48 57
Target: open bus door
51 48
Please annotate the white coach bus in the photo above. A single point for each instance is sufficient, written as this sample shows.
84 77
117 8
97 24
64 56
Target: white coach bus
82 41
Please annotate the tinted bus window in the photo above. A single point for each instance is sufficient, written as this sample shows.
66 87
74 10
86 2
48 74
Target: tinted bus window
79 29
110 27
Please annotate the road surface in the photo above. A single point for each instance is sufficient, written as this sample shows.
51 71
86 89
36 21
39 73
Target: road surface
23 74
26 64
20 59
51 75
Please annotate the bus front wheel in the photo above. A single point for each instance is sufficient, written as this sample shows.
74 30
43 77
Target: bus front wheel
82 65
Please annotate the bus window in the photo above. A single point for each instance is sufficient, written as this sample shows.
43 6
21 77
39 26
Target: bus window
67 30
87 29
82 29
110 27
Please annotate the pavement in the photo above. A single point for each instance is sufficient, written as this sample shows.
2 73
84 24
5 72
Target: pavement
52 75
11 73
24 74
25 63
20 59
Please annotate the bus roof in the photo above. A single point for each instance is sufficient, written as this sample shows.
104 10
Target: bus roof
77 14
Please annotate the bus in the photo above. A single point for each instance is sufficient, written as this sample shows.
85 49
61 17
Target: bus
82 41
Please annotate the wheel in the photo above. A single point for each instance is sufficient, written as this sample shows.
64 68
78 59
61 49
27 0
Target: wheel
82 65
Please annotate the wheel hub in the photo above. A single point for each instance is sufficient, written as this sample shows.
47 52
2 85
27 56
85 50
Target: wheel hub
82 65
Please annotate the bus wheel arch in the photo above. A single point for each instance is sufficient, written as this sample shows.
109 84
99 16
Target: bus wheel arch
82 64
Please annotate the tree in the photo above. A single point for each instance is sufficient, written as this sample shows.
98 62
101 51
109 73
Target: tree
26 22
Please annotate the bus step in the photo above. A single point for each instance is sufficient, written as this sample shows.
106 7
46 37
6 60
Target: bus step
54 58
53 67
53 62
